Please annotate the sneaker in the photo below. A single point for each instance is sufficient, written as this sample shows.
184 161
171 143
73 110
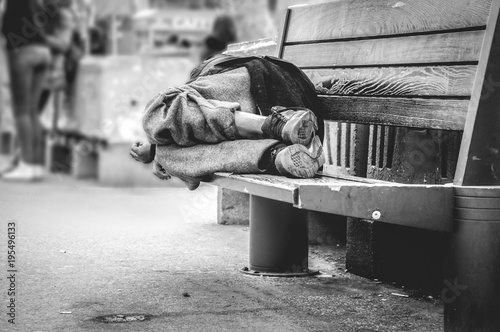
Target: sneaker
300 161
12 163
8 168
290 125
23 172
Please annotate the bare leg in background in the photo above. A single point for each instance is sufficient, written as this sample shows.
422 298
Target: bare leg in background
28 66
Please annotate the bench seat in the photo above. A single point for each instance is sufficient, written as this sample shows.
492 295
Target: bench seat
415 205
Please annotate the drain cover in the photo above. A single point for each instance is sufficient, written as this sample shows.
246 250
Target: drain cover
123 318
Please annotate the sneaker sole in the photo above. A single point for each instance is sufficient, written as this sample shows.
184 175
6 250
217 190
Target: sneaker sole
299 161
308 124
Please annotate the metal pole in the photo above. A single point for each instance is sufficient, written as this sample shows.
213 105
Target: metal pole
278 238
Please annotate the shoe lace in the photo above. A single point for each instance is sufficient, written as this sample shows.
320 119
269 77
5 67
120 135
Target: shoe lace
275 150
276 124
272 158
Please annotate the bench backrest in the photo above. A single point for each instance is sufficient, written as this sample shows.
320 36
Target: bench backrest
402 63
430 64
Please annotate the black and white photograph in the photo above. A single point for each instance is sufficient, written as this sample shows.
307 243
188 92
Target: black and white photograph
264 165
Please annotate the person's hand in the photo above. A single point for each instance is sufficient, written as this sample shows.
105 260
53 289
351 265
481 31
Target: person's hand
143 152
160 172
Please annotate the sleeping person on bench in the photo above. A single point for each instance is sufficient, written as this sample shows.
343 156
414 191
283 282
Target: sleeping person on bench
237 115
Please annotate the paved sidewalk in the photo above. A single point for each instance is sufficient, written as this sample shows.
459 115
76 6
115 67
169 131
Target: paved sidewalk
85 252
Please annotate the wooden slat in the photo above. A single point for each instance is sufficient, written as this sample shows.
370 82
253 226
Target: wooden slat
264 46
421 206
282 35
479 151
279 187
364 18
372 146
379 156
407 112
395 81
325 177
268 186
426 49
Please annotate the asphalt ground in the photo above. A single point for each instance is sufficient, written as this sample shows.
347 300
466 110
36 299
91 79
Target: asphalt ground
89 258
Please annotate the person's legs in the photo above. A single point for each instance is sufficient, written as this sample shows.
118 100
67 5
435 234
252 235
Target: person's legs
193 164
27 69
298 160
21 75
184 117
292 125
39 75
289 125
44 99
249 125
180 121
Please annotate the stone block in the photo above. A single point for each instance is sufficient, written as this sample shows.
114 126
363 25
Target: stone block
360 247
326 229
394 253
58 158
85 160
232 207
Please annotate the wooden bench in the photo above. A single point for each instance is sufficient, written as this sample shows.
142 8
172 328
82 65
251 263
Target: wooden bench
423 64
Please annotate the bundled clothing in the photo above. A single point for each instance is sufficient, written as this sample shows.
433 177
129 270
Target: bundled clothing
194 126
199 112
273 82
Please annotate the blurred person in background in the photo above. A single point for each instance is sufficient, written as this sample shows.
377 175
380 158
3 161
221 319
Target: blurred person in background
223 33
67 44
33 30
97 38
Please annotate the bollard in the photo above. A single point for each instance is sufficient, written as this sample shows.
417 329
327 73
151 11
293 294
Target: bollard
472 286
278 239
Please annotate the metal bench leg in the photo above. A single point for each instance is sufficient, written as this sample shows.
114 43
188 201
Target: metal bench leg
278 239
472 287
